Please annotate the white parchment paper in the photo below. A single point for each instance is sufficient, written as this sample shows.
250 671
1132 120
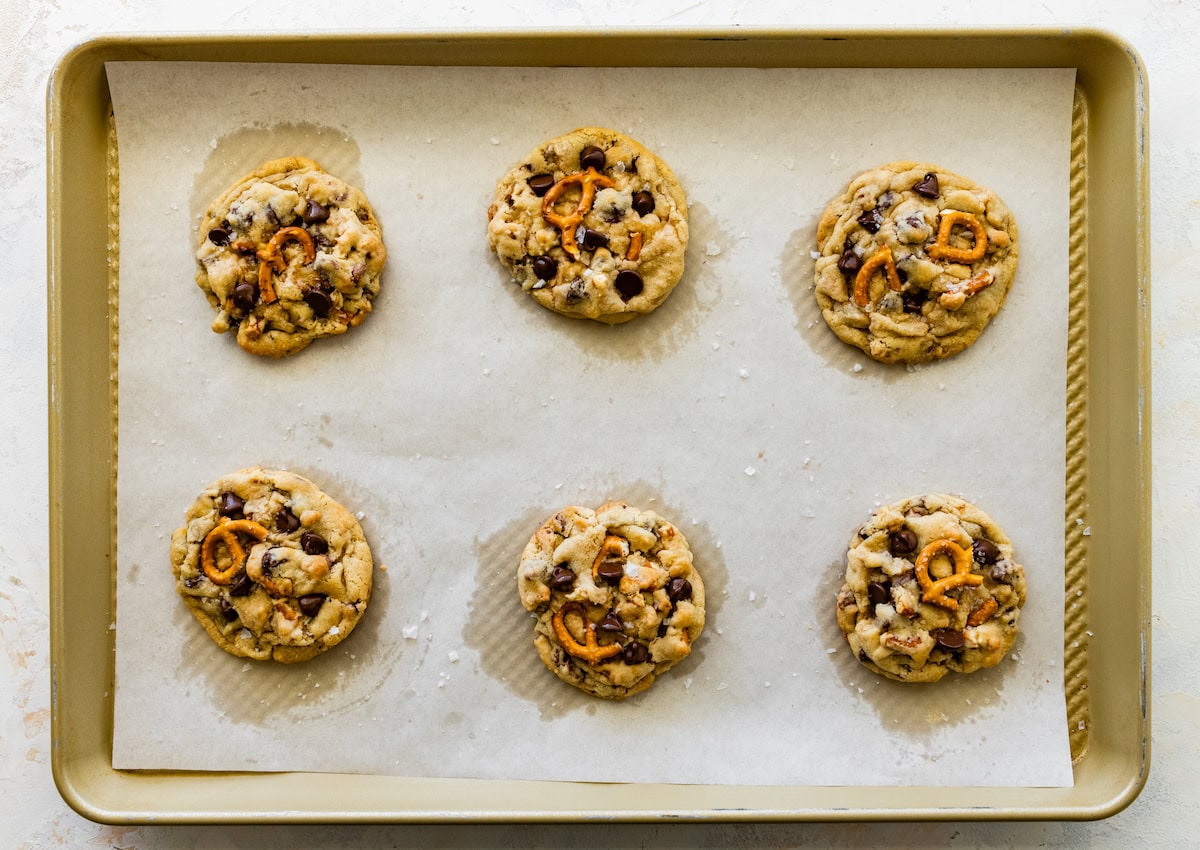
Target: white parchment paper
461 415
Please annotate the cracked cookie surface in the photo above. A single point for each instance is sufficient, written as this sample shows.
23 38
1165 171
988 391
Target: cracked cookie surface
906 236
287 255
617 598
909 611
592 225
272 567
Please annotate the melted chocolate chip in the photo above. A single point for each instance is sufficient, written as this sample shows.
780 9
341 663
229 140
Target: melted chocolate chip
902 542
545 268
311 603
592 157
863 657
191 581
643 203
635 653
985 552
286 521
679 588
241 586
576 291
593 239
913 300
319 301
227 610
948 638
928 187
268 560
541 183
219 236
878 592
871 221
611 623
273 216
886 200
562 578
610 571
629 285
244 296
314 213
313 544
230 505
849 262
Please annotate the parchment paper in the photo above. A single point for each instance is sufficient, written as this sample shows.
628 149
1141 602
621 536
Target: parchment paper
461 415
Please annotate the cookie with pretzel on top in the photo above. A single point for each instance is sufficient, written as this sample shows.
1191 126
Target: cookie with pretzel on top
914 262
592 225
931 587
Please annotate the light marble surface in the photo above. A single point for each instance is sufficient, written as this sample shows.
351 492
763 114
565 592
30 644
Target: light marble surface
34 34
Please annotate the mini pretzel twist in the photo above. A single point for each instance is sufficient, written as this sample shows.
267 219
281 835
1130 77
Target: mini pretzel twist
270 258
590 650
862 281
935 591
981 614
941 250
227 533
566 224
956 296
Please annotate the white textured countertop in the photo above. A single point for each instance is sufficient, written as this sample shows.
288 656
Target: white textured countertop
33 35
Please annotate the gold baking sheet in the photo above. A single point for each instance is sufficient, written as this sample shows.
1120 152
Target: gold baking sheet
1115 763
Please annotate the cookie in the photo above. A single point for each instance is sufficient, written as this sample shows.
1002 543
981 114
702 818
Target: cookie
914 262
617 599
592 225
271 566
288 255
931 586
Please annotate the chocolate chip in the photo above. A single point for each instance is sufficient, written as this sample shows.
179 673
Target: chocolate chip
849 262
913 300
562 578
541 183
314 213
918 510
635 653
948 638
313 544
886 200
871 221
268 560
610 571
319 301
643 203
576 291
228 611
863 657
242 586
191 581
928 187
286 521
545 268
903 275
219 236
311 603
230 505
878 593
273 216
593 239
244 296
611 623
679 588
985 552
662 629
902 542
592 157
629 284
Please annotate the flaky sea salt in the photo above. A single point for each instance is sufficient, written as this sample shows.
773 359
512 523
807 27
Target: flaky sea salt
409 632
750 470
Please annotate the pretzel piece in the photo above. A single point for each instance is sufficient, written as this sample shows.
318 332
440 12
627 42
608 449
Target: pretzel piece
956 296
981 614
566 224
862 281
935 591
270 258
590 650
635 245
227 533
941 250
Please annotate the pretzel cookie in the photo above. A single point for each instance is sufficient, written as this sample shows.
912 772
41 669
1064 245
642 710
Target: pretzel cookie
617 599
592 225
289 254
914 262
271 566
931 586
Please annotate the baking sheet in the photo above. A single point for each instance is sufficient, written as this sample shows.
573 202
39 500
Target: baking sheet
461 415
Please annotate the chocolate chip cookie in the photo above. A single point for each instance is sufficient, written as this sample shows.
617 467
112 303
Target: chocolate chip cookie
914 262
931 586
289 254
271 566
591 225
617 599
